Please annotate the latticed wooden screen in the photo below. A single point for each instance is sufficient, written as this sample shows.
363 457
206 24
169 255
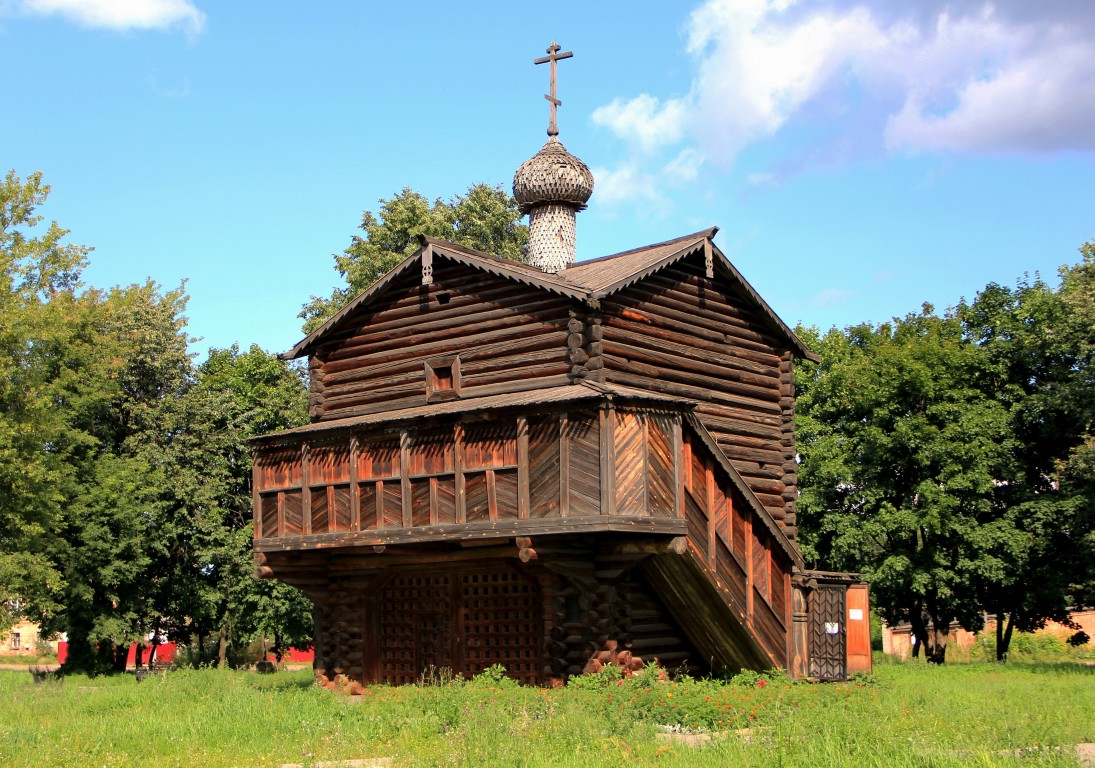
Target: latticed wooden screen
464 620
827 645
501 623
415 627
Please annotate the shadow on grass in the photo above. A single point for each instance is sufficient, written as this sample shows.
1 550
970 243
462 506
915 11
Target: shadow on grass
1053 667
283 681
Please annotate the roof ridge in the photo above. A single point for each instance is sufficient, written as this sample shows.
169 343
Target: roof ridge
703 233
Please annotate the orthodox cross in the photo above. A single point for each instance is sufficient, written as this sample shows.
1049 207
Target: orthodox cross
553 56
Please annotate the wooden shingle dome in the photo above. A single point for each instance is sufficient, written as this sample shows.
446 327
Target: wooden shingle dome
552 176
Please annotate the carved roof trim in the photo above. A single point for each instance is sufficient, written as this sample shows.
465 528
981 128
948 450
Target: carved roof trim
587 281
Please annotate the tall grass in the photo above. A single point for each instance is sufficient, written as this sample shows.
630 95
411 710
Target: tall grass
907 715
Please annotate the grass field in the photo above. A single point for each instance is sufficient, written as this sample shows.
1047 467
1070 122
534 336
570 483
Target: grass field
906 715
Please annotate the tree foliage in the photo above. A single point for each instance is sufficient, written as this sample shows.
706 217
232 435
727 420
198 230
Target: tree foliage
485 218
124 469
947 458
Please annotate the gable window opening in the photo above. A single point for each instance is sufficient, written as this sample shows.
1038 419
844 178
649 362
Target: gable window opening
443 379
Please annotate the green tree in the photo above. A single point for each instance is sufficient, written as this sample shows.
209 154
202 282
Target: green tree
901 453
39 312
124 470
1039 345
485 218
118 540
949 458
255 393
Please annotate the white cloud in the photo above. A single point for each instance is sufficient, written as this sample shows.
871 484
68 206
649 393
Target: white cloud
122 14
625 183
1043 101
644 120
684 167
753 73
860 77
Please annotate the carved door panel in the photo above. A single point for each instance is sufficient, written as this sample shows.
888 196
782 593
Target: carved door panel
828 654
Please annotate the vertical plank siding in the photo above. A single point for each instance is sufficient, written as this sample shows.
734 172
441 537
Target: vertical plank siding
543 471
677 332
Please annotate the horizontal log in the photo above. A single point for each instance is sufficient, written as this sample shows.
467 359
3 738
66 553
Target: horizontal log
770 460
445 324
651 302
616 371
684 344
667 367
541 370
409 299
681 322
438 347
709 305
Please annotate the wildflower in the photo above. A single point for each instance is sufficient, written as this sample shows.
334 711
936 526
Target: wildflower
761 683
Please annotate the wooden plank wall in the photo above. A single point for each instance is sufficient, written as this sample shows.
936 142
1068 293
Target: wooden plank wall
511 468
508 337
676 333
737 551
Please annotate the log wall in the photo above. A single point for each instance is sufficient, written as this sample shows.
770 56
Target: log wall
678 332
506 337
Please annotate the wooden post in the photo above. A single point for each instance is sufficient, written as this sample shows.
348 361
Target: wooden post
607 417
749 588
355 491
405 475
256 499
678 461
522 468
379 486
305 491
712 513
564 465
433 501
492 496
458 466
799 666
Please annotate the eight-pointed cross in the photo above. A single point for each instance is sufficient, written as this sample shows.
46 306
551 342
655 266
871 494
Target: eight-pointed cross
553 56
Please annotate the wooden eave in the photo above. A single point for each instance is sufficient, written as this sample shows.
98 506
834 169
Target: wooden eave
731 271
754 503
479 531
469 407
507 268
588 282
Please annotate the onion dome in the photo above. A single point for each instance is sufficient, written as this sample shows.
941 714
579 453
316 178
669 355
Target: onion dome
552 176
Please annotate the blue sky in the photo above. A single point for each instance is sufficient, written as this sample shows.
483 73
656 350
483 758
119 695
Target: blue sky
859 157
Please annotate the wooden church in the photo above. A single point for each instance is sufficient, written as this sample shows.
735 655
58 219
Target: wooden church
552 466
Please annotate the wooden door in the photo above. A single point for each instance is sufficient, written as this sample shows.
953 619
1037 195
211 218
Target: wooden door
462 620
828 652
415 627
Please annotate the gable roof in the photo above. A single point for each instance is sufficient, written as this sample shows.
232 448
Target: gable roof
587 281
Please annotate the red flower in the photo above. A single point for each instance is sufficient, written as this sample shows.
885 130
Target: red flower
761 683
